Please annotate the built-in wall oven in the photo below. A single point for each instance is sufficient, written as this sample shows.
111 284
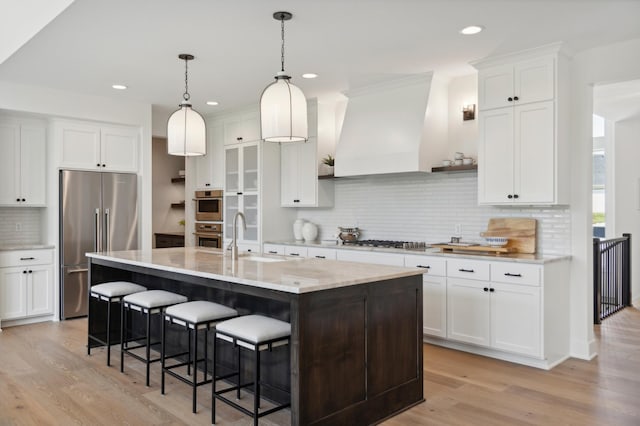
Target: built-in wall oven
208 234
209 205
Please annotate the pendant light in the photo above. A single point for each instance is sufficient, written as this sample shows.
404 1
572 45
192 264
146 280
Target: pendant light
186 131
283 107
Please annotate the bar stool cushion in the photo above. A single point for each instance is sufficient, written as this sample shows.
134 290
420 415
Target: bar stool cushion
255 328
154 298
200 311
117 289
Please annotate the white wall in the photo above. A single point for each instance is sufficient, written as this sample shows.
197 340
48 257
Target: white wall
612 63
165 167
463 135
626 191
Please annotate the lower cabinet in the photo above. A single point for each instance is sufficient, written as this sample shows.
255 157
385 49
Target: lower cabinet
468 311
26 290
434 293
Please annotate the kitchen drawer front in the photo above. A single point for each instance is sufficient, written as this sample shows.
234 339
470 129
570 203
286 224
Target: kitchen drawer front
370 257
515 273
321 253
295 251
433 265
469 269
273 249
26 257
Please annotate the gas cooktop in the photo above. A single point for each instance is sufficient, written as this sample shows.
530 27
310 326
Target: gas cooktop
407 245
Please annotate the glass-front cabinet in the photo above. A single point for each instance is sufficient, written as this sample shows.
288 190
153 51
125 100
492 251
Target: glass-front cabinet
242 181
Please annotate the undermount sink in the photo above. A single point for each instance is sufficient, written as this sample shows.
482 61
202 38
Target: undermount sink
264 259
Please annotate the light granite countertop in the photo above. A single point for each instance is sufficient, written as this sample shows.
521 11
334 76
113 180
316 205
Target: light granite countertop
281 273
12 247
536 258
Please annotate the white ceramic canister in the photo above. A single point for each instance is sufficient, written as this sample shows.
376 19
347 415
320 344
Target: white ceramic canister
309 232
297 229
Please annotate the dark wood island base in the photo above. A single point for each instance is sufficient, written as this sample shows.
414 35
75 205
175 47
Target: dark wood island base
356 351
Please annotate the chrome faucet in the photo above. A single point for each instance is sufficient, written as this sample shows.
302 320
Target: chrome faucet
234 242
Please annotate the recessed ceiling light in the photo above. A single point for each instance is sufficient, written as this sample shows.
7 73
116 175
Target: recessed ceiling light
212 103
471 29
119 87
309 75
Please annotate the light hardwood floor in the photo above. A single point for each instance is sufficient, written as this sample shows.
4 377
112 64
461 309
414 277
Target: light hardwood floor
47 378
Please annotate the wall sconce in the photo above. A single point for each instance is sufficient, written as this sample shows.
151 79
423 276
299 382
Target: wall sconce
469 112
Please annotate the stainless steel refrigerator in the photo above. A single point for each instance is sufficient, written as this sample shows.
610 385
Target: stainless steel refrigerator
98 212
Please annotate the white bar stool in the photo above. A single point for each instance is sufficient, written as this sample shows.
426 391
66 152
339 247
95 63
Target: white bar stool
256 333
147 303
111 292
193 316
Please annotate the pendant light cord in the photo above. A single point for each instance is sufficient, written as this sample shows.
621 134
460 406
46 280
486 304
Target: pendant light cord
186 95
282 35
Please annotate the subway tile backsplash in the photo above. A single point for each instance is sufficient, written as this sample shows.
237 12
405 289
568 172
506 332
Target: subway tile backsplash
427 207
28 218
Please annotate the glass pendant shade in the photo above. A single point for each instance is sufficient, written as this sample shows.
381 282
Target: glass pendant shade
283 112
186 132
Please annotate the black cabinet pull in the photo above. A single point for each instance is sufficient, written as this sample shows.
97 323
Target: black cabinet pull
273 252
238 193
512 275
18 200
321 257
509 196
27 258
486 289
249 250
24 199
423 266
294 254
30 271
516 196
98 164
296 201
466 270
24 272
239 138
104 165
515 98
207 184
510 99
492 290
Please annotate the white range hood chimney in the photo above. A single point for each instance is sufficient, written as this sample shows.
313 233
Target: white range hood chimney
388 126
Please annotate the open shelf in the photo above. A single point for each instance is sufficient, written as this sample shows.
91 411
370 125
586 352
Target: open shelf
177 205
177 180
470 167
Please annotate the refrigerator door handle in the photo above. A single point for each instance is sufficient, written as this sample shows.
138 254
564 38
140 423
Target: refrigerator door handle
107 239
97 244
77 271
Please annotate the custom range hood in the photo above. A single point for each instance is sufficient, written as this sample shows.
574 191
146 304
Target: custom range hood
397 126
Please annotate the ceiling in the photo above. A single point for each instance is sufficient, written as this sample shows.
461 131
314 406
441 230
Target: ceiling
617 101
349 43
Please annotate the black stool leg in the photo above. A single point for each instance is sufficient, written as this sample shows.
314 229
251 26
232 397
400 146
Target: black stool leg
109 333
148 341
162 340
256 388
239 371
206 367
195 367
123 334
189 349
213 380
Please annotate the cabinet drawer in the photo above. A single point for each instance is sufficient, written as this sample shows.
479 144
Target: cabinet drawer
321 253
470 269
434 266
515 273
273 249
370 257
295 251
26 257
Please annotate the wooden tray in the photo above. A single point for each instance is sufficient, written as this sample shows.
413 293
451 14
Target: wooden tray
521 233
474 249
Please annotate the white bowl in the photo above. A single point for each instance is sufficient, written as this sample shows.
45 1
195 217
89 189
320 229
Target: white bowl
467 161
496 241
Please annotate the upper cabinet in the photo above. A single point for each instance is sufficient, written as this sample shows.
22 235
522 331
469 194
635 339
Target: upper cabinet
299 182
209 168
22 164
97 147
523 146
243 127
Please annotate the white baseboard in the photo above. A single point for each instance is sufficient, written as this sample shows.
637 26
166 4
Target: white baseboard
584 349
25 321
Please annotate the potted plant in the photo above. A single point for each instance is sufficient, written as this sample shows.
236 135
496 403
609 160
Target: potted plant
328 161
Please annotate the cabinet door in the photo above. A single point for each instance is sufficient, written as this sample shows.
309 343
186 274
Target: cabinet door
534 80
534 179
308 173
40 291
516 319
80 146
496 157
434 306
232 170
9 164
250 177
209 167
242 128
289 175
33 165
119 149
13 293
468 311
249 206
495 87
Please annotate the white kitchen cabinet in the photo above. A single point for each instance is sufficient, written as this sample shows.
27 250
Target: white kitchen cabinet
468 311
241 128
97 147
434 293
299 251
523 144
22 164
273 249
371 257
209 168
241 191
516 83
322 253
26 284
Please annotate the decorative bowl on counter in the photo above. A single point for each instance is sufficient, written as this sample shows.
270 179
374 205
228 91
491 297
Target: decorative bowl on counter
496 241
348 234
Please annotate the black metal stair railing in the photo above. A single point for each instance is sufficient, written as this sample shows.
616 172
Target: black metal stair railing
611 276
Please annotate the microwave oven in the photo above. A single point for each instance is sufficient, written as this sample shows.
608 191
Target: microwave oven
209 205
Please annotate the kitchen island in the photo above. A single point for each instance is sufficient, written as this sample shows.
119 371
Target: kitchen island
356 329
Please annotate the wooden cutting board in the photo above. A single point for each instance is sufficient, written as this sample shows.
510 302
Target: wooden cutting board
521 233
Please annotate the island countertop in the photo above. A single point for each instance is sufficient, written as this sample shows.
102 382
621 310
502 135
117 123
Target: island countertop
289 274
